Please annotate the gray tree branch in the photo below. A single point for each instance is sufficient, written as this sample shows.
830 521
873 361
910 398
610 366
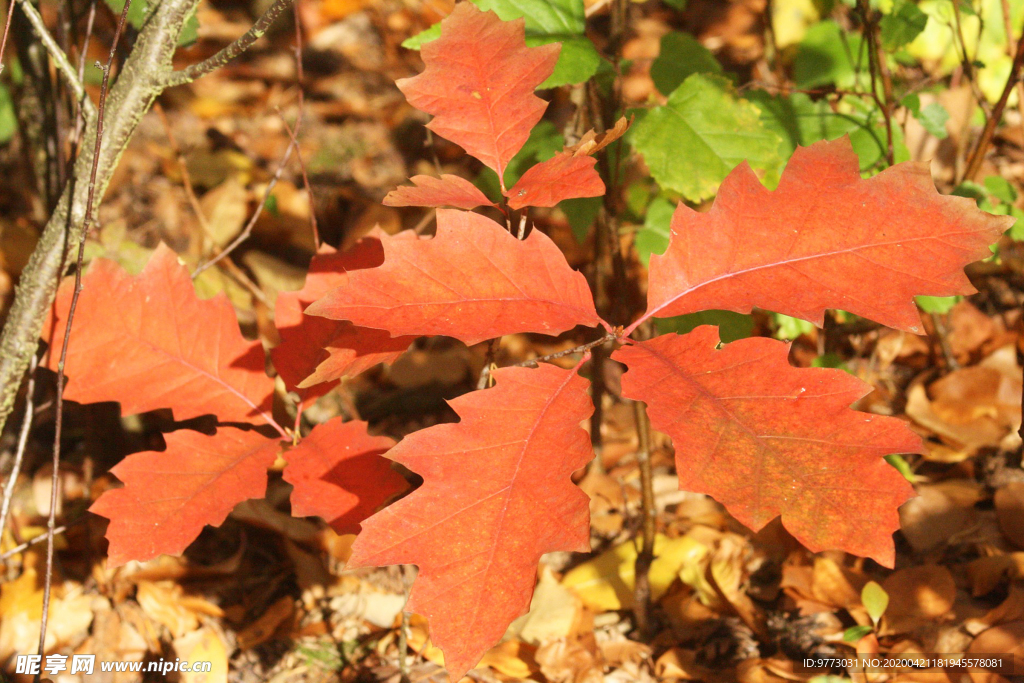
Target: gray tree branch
233 50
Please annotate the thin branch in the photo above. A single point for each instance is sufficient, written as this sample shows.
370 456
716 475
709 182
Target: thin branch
7 30
59 58
231 51
59 421
644 558
19 456
244 235
8 554
875 56
80 121
568 352
300 77
980 149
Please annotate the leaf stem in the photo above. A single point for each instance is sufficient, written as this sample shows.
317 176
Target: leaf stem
568 352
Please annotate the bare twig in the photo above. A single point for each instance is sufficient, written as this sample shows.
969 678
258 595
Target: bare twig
981 148
568 352
644 558
7 30
876 66
89 208
244 235
35 541
231 51
80 121
300 77
294 135
19 455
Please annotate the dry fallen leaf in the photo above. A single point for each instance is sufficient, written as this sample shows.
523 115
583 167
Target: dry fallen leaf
940 513
918 594
1009 502
204 645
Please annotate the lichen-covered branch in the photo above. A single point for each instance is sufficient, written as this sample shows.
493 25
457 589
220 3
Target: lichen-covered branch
233 50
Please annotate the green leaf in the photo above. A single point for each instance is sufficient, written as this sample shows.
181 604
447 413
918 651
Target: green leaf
417 41
973 190
828 55
1001 189
855 633
678 4
704 131
547 21
680 57
731 326
937 304
829 360
189 30
933 118
581 214
8 120
577 61
901 26
875 600
901 466
652 238
799 120
790 328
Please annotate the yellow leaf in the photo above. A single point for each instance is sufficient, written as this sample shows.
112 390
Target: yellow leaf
606 582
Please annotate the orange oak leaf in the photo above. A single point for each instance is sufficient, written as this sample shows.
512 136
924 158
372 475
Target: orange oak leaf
496 495
316 352
766 439
472 281
478 84
149 342
168 496
448 190
338 474
563 176
826 238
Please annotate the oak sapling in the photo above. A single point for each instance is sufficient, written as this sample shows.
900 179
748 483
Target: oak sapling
764 438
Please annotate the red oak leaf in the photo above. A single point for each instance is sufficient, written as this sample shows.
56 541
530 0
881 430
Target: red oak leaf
496 495
338 474
448 190
766 439
824 239
149 342
563 176
170 495
478 84
315 351
472 281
